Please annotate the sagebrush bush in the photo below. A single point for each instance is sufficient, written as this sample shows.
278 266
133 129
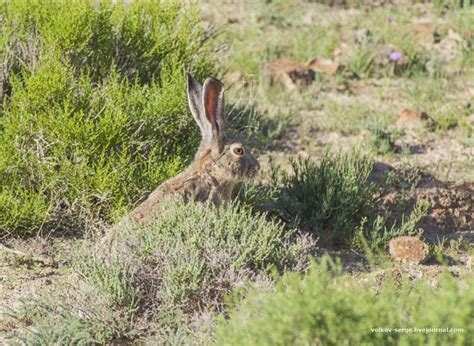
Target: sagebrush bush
335 200
375 236
326 307
57 325
188 259
94 109
75 316
329 198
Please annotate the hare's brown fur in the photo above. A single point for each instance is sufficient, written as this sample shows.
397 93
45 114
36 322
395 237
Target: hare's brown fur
219 164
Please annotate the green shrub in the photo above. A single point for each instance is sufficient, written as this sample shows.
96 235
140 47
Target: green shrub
329 198
376 236
381 139
63 321
325 308
59 326
187 259
336 201
162 278
94 110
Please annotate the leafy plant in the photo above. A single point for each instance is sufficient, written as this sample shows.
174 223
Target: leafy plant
94 108
159 279
185 261
328 307
361 63
376 236
59 322
329 198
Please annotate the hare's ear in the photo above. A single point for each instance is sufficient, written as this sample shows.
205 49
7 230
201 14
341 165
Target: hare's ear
213 104
195 101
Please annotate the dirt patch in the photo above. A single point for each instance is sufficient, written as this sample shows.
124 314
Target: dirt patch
19 283
451 205
27 278
451 211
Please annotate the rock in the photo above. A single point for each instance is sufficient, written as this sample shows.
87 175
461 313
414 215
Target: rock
408 249
451 209
290 73
324 66
409 118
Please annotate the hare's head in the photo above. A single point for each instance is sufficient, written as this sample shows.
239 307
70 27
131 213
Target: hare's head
225 158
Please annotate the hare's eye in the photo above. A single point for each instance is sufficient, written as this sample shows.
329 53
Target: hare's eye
238 151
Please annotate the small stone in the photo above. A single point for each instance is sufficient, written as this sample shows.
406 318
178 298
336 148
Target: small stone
406 116
324 66
408 249
409 118
290 73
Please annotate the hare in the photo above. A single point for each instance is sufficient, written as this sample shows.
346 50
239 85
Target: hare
219 164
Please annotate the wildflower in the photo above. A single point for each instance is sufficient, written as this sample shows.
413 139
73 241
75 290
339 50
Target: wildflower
395 56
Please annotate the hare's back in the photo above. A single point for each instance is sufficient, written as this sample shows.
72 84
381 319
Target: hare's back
181 189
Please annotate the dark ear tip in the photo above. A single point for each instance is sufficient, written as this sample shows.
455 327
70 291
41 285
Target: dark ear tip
189 77
216 81
190 80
